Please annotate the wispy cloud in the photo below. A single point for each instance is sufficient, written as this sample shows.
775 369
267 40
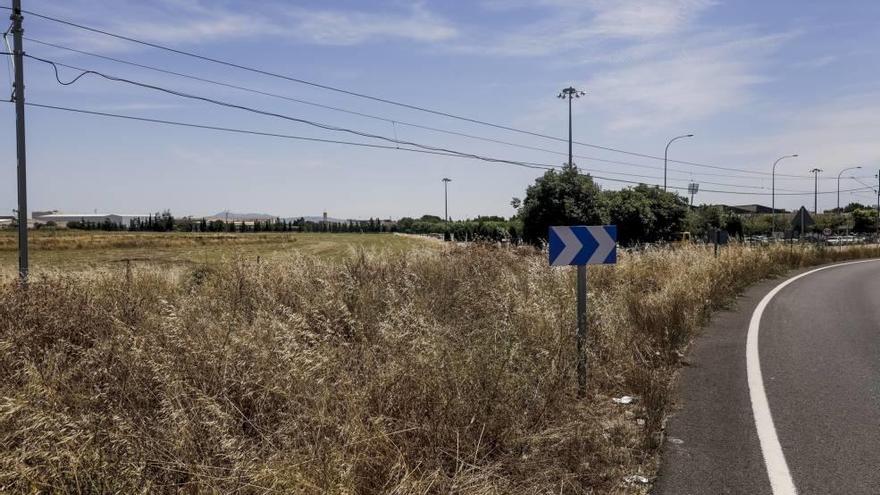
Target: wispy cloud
830 134
348 28
192 21
566 25
669 85
815 63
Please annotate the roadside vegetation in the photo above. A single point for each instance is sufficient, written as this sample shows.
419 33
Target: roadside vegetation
432 372
76 249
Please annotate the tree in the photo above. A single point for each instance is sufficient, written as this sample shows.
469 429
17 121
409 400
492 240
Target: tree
564 197
854 206
864 220
646 214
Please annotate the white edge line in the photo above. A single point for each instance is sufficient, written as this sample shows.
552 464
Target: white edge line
777 469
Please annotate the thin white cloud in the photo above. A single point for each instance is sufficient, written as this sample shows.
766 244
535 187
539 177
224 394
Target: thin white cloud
639 19
349 28
815 63
675 84
587 25
192 21
832 134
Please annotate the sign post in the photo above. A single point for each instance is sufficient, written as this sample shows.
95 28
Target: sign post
582 246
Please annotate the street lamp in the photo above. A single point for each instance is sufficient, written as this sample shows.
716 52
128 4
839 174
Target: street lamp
773 192
570 93
838 185
666 154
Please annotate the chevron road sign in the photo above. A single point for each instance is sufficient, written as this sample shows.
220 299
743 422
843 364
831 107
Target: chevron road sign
583 245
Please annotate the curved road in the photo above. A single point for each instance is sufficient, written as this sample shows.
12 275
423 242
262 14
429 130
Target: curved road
818 345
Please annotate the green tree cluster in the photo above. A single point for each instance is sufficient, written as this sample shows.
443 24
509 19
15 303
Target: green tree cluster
567 197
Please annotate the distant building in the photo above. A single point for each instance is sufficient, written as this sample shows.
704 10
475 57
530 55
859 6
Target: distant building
62 219
753 209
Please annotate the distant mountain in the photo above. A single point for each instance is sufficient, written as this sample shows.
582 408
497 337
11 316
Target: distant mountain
238 217
318 219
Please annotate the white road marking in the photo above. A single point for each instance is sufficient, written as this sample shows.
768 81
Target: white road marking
777 469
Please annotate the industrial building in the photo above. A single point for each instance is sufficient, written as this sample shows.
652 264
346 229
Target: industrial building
61 219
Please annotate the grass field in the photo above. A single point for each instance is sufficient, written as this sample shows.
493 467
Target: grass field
434 371
69 249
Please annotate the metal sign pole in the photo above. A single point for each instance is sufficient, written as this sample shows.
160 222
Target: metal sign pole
582 245
582 330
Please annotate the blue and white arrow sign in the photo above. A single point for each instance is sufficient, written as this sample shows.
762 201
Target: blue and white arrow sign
583 245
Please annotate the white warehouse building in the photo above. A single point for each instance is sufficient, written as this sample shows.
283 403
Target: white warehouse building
62 219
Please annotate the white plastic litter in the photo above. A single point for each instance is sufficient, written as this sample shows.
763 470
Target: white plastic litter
626 399
636 479
676 441
640 422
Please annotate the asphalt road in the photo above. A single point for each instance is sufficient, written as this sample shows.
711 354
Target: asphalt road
818 349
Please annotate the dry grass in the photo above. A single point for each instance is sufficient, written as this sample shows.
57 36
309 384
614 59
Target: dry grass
437 372
76 250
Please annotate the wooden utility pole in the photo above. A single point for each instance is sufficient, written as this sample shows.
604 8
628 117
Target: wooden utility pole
18 88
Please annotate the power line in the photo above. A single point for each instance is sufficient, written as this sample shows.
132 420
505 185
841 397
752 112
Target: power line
279 135
377 146
393 122
370 97
85 72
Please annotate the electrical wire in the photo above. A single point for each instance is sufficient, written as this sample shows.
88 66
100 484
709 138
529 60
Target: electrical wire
85 72
393 122
386 147
371 97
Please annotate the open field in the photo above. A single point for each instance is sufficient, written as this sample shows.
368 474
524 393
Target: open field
441 371
71 249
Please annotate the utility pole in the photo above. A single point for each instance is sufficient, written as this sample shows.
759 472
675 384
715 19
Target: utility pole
666 154
18 58
815 173
570 93
877 226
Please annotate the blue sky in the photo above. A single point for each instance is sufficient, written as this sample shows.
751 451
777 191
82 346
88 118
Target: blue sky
752 80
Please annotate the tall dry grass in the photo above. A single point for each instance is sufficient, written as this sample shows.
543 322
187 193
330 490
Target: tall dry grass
437 372
73 239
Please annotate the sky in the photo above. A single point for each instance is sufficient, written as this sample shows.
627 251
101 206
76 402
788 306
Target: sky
752 80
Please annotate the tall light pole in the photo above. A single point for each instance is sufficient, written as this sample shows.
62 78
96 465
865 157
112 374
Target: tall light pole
666 154
773 192
877 226
570 93
446 182
815 173
838 184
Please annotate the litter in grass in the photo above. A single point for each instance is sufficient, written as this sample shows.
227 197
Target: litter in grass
636 479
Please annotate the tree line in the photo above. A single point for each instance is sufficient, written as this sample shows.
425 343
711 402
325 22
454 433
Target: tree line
642 213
